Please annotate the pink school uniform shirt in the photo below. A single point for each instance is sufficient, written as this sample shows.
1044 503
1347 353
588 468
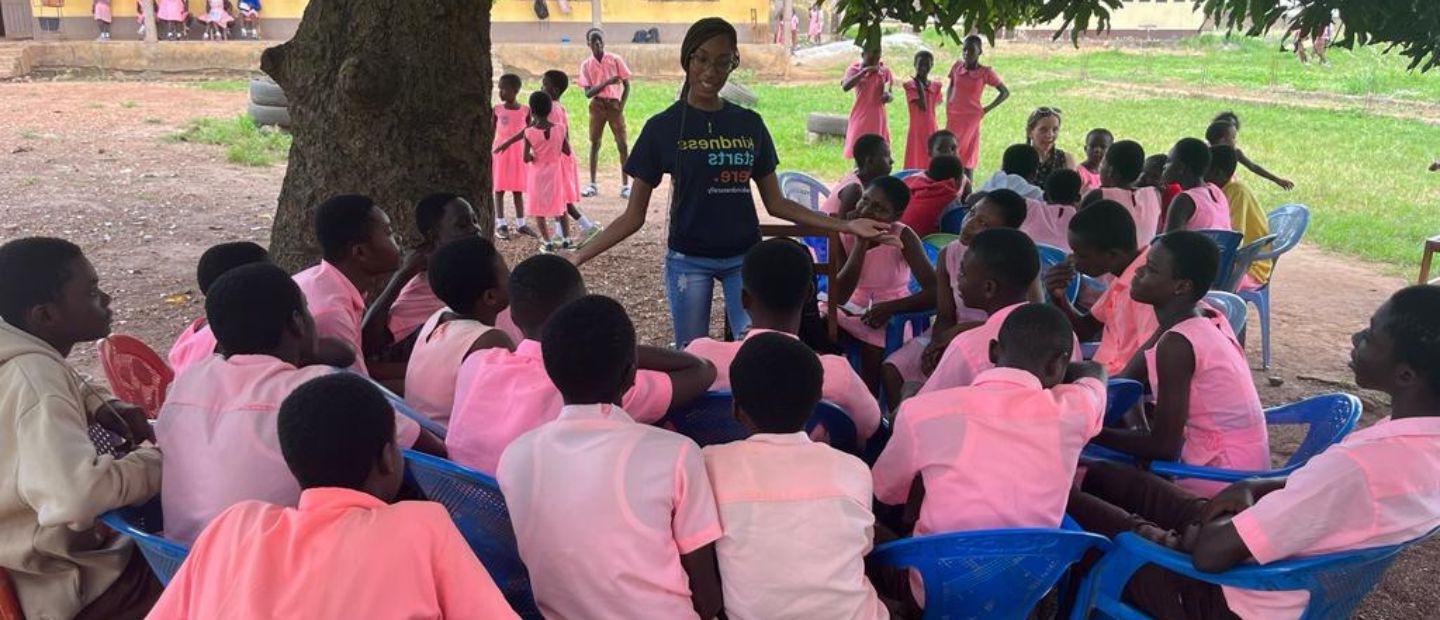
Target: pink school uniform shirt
1212 209
1088 180
868 113
965 444
1143 203
969 354
337 307
1226 427
965 111
218 432
1378 487
1048 224
922 122
797 522
196 343
907 360
594 72
1129 324
840 386
434 362
340 554
417 302
831 204
500 395
603 508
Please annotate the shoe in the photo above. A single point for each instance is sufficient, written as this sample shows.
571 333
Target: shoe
625 192
526 230
589 191
547 247
502 233
567 244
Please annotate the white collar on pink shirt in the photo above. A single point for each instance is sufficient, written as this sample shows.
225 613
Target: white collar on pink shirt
606 412
337 498
781 439
1013 376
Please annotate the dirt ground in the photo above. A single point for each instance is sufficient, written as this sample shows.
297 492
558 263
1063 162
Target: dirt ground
88 161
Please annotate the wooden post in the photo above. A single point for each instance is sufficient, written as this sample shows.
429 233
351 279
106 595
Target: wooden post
594 14
787 38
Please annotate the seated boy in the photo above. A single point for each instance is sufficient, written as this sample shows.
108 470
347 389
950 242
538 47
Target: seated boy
469 276
996 276
1246 216
964 445
872 161
1102 242
777 278
1016 167
613 519
931 192
1378 487
778 483
500 394
61 562
197 342
217 426
439 218
1046 221
345 551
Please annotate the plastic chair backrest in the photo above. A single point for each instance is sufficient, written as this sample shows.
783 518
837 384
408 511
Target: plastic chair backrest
1231 306
939 240
1244 257
708 420
135 372
144 524
1051 256
1288 223
1121 396
9 603
987 573
404 408
1330 418
953 220
1229 243
803 188
908 172
478 509
838 426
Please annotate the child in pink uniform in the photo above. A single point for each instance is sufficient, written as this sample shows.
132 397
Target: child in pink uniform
470 277
914 361
1048 222
874 280
555 83
963 109
1120 170
1378 487
1200 205
217 426
1102 243
1097 142
508 165
439 218
261 560
197 342
871 80
104 17
545 148
217 20
634 497
777 483
171 17
922 96
778 276
872 161
1207 411
1225 129
500 395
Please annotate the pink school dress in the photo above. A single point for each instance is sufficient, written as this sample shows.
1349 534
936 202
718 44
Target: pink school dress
965 111
1212 209
1088 180
907 359
571 169
217 14
103 12
886 276
1226 427
171 11
1144 206
545 181
831 204
922 123
507 168
868 114
1048 224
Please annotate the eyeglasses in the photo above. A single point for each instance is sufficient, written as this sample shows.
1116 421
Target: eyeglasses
723 64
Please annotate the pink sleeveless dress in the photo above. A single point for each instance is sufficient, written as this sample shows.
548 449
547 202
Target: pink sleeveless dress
1226 427
922 123
868 114
435 361
1144 206
965 111
507 168
545 181
1212 209
907 359
103 12
831 204
886 276
1088 180
1048 224
571 170
171 11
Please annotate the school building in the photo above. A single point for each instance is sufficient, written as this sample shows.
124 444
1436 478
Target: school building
1146 18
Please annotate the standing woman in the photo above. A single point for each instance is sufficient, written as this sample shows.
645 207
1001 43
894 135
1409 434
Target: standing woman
1042 131
871 80
713 150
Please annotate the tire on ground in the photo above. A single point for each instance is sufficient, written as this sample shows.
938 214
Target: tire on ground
738 94
827 124
269 115
265 92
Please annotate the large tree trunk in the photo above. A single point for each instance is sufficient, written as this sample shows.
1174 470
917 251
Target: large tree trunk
388 99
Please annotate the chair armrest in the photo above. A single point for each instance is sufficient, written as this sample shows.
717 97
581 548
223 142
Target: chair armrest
1181 470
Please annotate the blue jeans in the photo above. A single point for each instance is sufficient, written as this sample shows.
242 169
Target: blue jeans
690 285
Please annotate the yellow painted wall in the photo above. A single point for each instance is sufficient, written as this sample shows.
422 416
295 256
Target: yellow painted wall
515 11
1155 14
125 9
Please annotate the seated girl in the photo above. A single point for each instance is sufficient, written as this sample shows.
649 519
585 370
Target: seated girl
1048 221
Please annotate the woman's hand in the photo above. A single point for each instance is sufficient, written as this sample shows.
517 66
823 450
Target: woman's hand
872 230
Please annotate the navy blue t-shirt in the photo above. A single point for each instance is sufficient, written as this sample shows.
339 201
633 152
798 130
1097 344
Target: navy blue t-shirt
710 163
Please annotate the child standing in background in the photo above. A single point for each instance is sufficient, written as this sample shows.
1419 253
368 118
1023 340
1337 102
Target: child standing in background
963 112
1218 134
104 17
545 145
555 83
816 25
606 81
1097 142
217 20
250 19
871 80
507 167
921 96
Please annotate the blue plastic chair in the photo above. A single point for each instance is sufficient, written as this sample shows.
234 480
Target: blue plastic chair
1330 417
1051 256
708 420
1244 257
919 320
953 219
1231 306
404 408
809 191
1337 582
144 525
1288 223
988 573
479 512
1229 243
838 426
1121 395
908 172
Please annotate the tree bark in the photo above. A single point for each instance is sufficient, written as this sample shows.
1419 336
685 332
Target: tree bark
387 99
